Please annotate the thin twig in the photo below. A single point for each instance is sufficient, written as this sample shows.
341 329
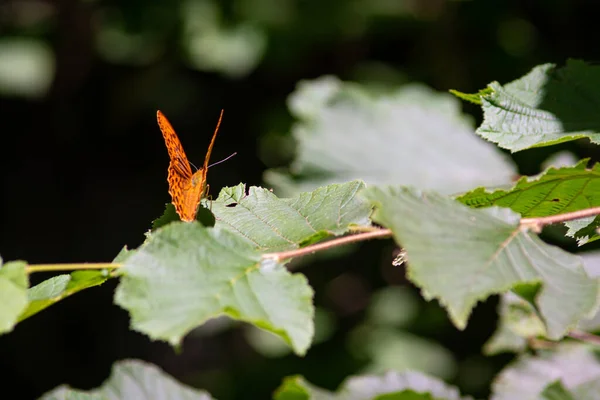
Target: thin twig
380 233
540 222
585 337
69 267
536 343
362 228
366 233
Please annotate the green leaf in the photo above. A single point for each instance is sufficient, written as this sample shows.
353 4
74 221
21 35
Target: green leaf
269 223
560 159
203 216
123 255
474 98
587 390
297 388
168 216
575 365
412 136
66 393
59 287
591 262
388 349
186 274
392 385
393 306
240 44
547 106
461 256
519 320
556 191
13 293
556 391
585 230
132 379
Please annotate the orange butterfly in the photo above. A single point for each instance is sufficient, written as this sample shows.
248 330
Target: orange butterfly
186 188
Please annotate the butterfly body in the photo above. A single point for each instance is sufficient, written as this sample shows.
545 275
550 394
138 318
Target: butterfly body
186 188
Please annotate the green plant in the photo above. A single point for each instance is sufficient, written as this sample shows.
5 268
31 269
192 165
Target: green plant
447 198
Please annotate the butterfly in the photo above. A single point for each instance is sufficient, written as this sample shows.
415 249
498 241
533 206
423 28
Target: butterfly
186 188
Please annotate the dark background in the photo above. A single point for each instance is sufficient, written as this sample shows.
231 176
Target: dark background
84 165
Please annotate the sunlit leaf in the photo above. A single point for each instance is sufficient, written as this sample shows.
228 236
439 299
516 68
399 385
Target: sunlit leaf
574 365
460 256
59 287
520 321
270 223
272 346
411 136
13 293
186 274
391 386
560 160
132 379
556 191
547 106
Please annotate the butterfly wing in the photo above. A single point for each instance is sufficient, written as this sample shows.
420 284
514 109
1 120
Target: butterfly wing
199 177
180 172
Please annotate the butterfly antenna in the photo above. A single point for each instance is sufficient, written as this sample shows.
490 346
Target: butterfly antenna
193 165
212 142
223 160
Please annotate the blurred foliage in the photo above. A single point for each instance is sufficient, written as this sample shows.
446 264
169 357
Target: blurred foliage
80 82
26 67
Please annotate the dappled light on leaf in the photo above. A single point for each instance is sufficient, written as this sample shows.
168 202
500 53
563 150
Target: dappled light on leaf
547 106
411 136
186 274
269 223
405 385
13 293
461 256
519 321
575 365
132 379
556 191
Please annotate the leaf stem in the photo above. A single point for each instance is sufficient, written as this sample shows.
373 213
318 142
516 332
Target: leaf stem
69 267
359 237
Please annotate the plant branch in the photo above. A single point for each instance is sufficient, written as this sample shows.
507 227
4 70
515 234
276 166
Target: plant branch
69 267
585 337
359 237
538 223
365 233
361 229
